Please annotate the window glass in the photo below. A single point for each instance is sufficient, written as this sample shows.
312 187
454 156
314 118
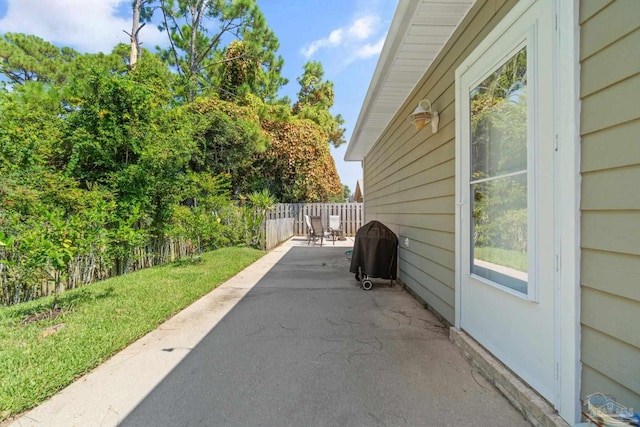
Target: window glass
499 174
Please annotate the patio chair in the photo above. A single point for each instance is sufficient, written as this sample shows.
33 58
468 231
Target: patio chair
307 222
335 228
316 229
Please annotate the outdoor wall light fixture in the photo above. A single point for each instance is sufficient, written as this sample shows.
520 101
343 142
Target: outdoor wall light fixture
422 115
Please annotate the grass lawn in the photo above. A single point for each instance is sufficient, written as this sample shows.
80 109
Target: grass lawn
512 259
40 357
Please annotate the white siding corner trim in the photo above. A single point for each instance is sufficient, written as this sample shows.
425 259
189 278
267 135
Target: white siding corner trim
567 55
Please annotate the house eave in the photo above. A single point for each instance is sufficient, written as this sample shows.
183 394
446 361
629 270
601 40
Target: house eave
418 31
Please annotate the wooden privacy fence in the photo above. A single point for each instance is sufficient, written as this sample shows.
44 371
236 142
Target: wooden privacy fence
277 231
286 220
91 268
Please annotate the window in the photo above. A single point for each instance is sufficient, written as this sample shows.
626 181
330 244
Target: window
499 175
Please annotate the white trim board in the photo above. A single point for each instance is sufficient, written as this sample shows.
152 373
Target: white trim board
567 58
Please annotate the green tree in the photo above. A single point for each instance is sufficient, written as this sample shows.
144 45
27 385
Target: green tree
242 71
31 126
203 217
256 207
52 223
297 166
315 98
122 135
26 58
109 127
346 194
196 49
226 137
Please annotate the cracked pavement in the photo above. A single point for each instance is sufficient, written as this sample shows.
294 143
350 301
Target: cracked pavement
304 345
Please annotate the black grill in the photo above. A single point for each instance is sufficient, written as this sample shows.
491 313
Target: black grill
375 253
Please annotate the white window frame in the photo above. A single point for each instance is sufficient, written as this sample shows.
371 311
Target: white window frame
488 63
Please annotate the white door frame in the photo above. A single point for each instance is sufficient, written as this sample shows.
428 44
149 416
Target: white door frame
567 195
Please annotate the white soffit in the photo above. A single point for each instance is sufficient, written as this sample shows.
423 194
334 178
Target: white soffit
419 30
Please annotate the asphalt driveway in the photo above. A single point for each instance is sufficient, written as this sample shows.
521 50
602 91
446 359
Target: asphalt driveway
303 346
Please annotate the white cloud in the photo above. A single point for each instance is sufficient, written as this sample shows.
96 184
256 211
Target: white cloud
363 27
313 47
369 49
349 37
85 25
334 39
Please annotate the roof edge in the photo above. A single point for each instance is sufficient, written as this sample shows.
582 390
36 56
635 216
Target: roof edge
401 18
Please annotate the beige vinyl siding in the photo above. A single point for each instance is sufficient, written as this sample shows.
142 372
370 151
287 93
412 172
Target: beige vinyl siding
410 174
610 198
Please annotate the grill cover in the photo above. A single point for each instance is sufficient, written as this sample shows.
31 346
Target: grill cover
374 251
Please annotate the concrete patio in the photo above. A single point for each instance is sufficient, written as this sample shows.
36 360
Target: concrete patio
291 340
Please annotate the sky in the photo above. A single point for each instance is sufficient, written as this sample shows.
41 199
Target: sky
346 36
